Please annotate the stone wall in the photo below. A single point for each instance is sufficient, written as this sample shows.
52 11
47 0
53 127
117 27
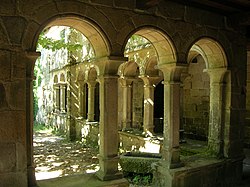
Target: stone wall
196 100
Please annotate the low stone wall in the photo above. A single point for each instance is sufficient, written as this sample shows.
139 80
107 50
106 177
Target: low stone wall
88 132
133 142
209 172
137 162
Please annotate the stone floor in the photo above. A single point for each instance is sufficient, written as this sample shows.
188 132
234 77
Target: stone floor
68 164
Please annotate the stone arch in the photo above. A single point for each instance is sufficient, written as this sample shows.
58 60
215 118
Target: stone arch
62 77
128 69
49 15
162 43
216 64
211 51
55 79
151 67
87 27
80 75
91 73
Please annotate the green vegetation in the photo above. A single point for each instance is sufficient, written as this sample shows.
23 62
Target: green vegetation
137 42
139 179
41 128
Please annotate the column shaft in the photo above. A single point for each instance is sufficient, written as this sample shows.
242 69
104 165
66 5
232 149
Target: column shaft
171 149
215 139
108 157
81 95
126 103
62 98
148 119
91 100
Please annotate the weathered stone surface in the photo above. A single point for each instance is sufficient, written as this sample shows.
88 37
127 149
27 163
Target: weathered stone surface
8 7
125 3
16 92
5 70
18 66
3 102
13 179
8 159
12 126
19 23
203 17
103 2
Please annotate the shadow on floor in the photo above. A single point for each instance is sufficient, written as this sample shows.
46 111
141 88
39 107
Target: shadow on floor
84 180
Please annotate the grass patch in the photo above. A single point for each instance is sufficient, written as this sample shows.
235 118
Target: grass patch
41 127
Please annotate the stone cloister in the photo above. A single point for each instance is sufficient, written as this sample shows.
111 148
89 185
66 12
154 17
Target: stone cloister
197 56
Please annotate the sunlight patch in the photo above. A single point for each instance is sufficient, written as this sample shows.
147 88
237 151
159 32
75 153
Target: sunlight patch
48 174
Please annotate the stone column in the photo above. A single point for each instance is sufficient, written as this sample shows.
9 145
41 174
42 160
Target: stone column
171 148
148 118
108 157
31 59
215 138
91 100
62 97
126 103
57 92
82 108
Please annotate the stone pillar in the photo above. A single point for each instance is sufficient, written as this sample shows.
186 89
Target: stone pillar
57 97
62 97
215 138
148 118
162 171
126 103
171 148
91 100
81 95
183 77
32 56
108 157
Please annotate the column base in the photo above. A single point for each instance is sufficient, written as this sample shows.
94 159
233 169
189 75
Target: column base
108 176
109 169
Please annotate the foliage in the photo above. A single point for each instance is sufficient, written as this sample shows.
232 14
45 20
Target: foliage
36 84
49 43
137 42
40 127
139 179
77 45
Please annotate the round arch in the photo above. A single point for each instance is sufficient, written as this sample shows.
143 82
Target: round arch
62 77
55 79
211 51
88 28
216 65
91 73
162 43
